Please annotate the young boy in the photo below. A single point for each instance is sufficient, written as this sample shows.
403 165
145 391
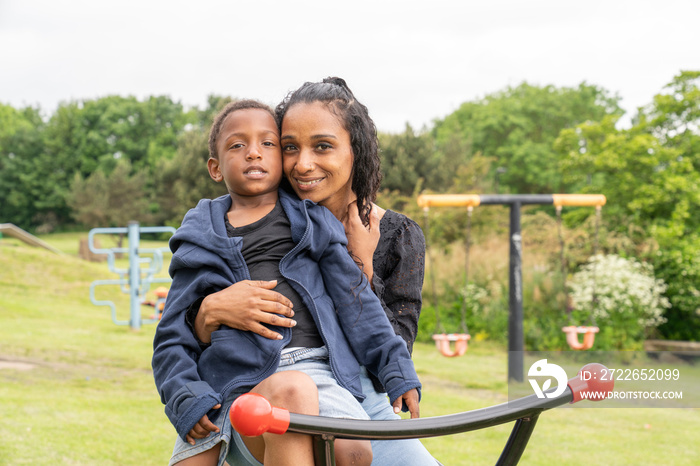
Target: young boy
261 233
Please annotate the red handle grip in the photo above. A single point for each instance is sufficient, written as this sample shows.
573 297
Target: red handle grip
595 379
252 415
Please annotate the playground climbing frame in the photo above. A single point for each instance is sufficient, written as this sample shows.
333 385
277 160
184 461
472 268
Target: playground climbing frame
137 279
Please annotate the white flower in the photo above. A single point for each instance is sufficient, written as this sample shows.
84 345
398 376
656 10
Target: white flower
621 286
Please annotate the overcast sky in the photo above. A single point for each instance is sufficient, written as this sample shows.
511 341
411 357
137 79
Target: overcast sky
408 61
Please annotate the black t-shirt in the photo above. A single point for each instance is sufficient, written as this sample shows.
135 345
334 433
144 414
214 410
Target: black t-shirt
265 243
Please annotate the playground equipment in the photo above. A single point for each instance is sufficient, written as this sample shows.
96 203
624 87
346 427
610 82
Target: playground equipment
12 230
134 281
159 304
573 331
252 415
515 290
441 337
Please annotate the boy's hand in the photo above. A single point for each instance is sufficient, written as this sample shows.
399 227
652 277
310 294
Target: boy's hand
202 429
411 400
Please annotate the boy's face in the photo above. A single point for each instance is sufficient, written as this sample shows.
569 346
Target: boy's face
250 159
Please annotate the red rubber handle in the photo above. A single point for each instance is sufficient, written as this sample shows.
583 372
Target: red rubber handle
595 379
252 415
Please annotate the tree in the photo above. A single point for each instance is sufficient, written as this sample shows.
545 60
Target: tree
516 128
406 158
646 183
182 181
674 116
651 181
109 200
25 184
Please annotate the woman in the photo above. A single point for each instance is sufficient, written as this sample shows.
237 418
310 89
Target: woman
330 151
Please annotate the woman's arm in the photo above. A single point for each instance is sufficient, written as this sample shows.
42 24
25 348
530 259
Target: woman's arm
399 266
245 305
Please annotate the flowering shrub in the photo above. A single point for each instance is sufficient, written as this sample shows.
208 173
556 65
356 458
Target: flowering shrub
474 297
628 296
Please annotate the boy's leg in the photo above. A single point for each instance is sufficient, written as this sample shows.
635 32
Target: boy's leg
296 392
334 401
206 458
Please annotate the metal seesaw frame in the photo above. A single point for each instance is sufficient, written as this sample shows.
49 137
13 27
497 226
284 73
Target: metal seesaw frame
251 415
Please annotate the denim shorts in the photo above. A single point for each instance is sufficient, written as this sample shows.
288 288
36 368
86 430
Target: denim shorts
334 401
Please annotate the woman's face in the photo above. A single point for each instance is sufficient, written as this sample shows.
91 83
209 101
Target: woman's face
317 155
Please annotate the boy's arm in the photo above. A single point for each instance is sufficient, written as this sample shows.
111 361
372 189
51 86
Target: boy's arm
175 354
371 336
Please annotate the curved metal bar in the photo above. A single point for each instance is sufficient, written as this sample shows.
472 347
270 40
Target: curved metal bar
251 414
110 304
527 407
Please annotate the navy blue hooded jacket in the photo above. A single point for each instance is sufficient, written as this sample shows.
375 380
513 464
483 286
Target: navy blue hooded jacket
349 317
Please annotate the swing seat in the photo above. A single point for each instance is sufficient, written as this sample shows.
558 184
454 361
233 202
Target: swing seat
442 342
572 332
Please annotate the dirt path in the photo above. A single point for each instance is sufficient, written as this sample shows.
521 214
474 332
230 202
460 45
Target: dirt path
16 365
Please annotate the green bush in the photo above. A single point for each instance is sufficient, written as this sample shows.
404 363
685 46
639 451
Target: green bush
679 265
544 312
486 313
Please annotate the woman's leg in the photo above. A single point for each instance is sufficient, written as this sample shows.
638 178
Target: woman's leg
410 452
353 452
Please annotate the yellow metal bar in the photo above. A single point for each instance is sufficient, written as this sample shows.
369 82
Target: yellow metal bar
448 200
597 200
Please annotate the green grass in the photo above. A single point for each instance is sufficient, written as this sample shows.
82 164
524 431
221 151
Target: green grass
89 397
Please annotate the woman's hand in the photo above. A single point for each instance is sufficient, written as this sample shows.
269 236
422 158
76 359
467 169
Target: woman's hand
363 240
411 400
245 305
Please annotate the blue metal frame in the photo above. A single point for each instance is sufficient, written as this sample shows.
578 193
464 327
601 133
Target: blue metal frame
135 281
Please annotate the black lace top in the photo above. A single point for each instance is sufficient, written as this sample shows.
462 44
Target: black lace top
399 265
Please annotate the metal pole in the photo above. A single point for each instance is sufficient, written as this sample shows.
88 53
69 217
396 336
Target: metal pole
516 342
134 275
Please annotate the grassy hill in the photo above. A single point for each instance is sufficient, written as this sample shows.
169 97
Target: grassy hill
76 389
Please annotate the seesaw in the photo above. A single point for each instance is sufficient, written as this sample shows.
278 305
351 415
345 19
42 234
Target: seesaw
252 415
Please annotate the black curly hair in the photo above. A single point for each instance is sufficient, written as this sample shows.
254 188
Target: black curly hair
335 93
226 111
